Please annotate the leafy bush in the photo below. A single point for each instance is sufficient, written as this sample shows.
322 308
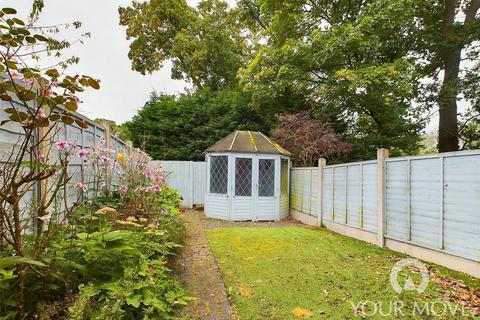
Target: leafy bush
77 260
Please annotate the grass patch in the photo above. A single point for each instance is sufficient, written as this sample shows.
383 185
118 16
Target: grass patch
296 272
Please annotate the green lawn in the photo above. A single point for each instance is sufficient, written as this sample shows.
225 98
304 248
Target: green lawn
270 272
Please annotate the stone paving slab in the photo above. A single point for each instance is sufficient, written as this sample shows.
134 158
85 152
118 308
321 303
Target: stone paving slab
200 274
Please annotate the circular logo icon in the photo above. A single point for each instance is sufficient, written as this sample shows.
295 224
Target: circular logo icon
409 285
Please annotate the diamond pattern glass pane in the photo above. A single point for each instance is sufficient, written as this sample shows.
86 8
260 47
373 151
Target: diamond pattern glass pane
243 177
266 177
218 174
284 177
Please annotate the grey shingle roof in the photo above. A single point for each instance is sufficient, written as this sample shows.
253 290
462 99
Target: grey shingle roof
248 142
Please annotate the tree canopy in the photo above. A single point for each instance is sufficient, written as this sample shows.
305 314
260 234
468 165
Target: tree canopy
182 128
373 71
203 43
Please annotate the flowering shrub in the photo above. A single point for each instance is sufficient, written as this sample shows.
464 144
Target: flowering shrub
51 248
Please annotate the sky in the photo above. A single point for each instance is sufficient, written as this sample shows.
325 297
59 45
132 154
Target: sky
103 56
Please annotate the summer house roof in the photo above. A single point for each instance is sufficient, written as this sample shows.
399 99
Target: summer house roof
248 142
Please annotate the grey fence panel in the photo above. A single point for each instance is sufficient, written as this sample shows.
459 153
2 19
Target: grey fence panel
74 134
306 188
396 201
199 182
188 178
314 192
425 201
350 195
354 196
296 190
11 134
339 195
327 196
369 197
461 207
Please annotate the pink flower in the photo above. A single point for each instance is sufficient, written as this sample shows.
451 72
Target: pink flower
62 145
105 160
80 186
64 222
155 188
123 188
148 173
40 113
42 158
82 154
102 141
30 81
160 179
15 75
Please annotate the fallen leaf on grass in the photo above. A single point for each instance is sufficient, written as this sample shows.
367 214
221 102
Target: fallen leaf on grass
301 313
244 290
457 292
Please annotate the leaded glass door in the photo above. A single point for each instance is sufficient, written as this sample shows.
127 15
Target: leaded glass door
267 179
243 188
255 187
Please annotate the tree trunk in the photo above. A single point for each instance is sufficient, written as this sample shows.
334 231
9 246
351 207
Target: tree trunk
448 126
447 100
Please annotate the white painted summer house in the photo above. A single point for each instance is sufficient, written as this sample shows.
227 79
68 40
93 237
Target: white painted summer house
247 178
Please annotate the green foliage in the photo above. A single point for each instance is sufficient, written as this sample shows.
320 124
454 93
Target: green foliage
360 65
350 64
133 282
202 42
183 128
102 265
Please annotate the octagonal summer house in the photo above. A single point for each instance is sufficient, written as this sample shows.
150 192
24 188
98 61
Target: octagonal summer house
247 178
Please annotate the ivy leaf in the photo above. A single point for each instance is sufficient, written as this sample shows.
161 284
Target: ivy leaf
55 117
19 117
71 106
5 97
27 95
93 83
18 21
81 124
31 40
44 123
67 120
40 37
52 73
9 11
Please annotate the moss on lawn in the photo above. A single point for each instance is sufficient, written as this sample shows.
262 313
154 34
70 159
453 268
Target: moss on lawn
270 272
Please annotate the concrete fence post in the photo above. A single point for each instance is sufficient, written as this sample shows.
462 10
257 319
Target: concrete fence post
129 145
44 137
108 134
321 164
382 155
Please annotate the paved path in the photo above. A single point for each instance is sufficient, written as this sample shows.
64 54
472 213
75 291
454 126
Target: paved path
201 275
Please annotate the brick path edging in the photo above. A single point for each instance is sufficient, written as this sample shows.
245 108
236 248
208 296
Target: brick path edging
200 273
